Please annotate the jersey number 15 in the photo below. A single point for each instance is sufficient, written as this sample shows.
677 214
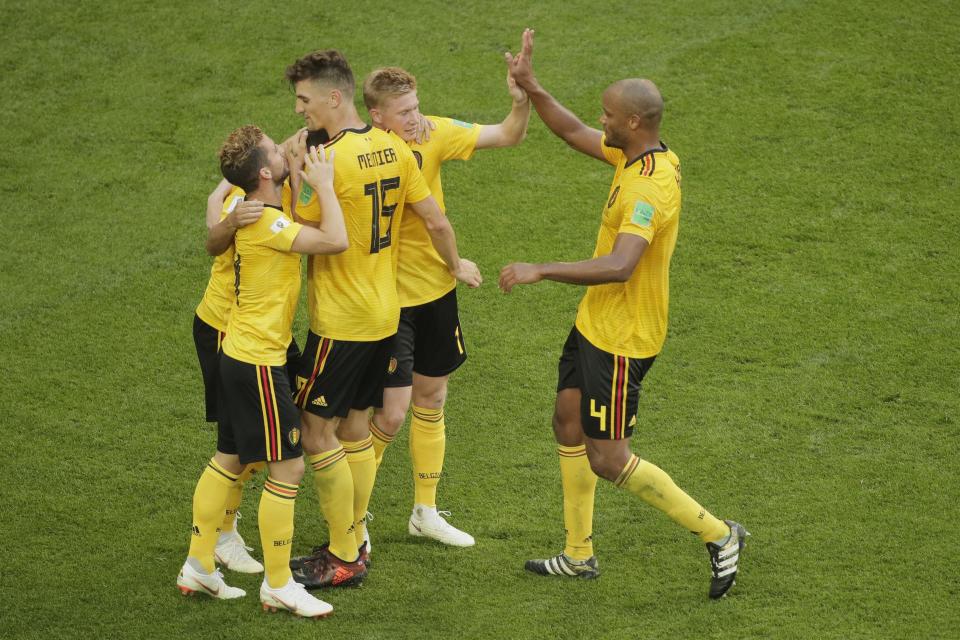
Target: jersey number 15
378 192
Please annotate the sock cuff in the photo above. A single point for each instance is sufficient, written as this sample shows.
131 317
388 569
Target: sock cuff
572 452
326 459
357 447
220 473
278 489
379 434
427 415
627 471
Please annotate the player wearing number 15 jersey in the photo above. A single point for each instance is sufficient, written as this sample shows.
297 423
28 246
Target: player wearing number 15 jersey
353 304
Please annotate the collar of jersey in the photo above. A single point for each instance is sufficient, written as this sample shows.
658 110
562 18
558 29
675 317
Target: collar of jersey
346 131
663 147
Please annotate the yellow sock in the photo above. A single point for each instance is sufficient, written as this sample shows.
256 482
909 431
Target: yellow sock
236 496
428 442
381 440
331 477
363 468
276 529
652 485
208 499
579 486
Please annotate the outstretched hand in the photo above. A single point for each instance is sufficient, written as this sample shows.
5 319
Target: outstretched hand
521 65
519 273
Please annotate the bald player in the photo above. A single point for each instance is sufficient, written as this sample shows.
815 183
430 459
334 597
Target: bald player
620 325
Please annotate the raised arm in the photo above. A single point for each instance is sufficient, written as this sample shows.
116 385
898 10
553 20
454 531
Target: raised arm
445 241
330 235
513 129
616 266
560 120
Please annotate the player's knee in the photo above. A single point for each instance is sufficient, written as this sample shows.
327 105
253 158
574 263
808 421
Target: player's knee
603 466
430 396
390 419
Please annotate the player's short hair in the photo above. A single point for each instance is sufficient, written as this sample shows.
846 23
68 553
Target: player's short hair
387 82
241 158
327 67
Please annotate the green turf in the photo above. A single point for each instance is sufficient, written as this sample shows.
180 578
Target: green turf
808 387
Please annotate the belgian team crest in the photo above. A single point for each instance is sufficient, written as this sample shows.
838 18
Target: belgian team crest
392 367
294 436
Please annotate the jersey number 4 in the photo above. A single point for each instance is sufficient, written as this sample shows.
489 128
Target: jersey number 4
378 192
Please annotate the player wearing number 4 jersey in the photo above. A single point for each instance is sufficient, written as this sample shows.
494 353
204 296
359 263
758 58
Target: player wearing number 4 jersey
258 421
429 344
354 308
620 326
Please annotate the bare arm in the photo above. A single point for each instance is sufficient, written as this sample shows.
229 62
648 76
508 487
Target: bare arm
330 235
561 121
513 129
220 232
445 241
616 266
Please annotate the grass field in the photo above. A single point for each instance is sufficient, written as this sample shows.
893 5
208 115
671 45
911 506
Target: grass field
808 387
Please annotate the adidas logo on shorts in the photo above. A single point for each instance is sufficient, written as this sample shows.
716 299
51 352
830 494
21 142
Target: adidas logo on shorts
320 402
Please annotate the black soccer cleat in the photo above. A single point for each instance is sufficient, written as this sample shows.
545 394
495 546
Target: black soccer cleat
327 570
565 566
724 561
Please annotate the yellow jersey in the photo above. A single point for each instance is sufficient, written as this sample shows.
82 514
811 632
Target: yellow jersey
218 298
266 287
214 307
353 295
630 318
422 275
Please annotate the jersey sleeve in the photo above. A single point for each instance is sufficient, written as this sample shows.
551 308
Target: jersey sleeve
459 139
613 155
415 185
639 214
234 198
275 230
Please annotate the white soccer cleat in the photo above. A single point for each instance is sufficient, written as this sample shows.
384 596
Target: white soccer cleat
366 532
191 581
234 554
427 522
293 597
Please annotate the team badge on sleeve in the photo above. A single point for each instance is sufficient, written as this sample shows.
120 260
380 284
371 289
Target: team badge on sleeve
279 224
642 213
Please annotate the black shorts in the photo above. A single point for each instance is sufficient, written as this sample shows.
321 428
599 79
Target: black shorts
429 341
609 386
208 341
258 420
339 375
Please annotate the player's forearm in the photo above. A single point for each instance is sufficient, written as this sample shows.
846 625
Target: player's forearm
444 240
220 237
215 202
560 120
514 126
602 270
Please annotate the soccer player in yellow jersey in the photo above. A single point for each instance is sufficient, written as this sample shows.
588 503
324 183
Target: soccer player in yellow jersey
258 421
621 323
429 344
354 308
